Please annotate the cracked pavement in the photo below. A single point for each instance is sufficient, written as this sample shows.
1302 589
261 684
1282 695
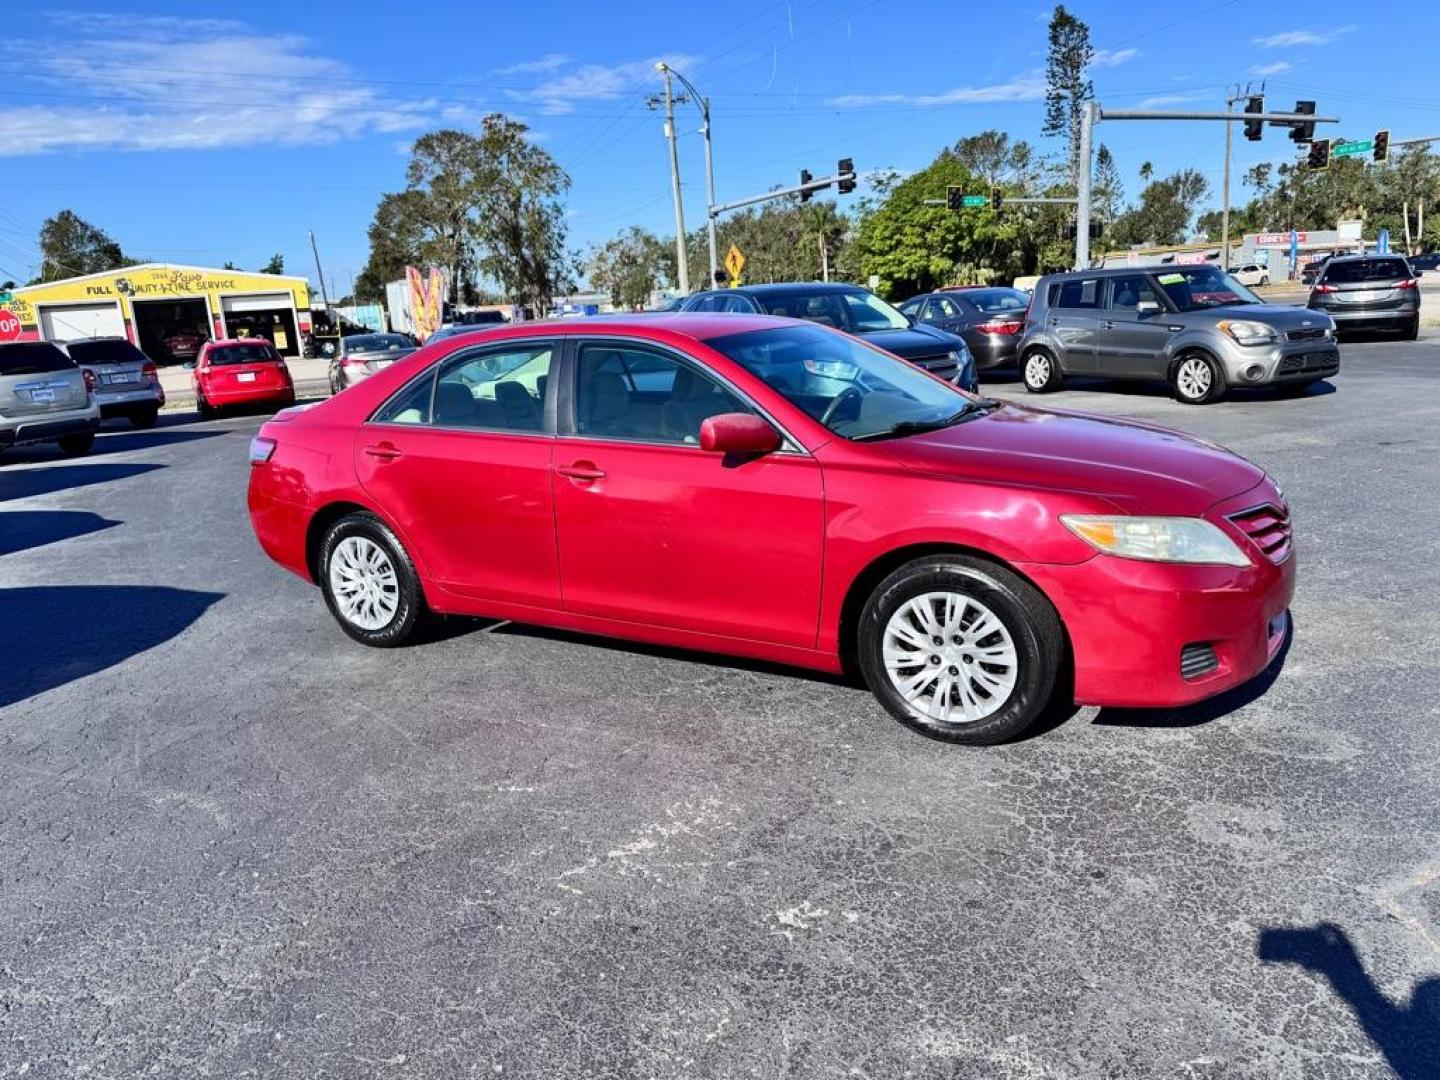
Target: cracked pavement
234 843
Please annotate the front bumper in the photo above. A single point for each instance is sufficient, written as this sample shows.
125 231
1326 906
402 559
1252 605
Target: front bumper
1129 621
50 428
1286 362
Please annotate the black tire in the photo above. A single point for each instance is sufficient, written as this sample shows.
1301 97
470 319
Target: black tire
1033 627
1197 391
76 445
410 611
1412 331
204 408
335 386
1040 372
145 418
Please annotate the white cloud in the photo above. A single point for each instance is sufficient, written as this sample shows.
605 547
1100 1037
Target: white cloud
1113 57
597 82
1162 100
1279 67
1027 88
1290 38
123 84
548 63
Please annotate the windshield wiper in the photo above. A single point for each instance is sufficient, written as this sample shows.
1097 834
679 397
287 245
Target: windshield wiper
917 427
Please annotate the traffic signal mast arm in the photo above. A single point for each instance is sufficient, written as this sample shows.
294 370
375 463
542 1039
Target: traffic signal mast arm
808 186
1287 119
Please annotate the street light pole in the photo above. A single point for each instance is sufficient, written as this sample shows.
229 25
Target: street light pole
704 103
682 264
1083 184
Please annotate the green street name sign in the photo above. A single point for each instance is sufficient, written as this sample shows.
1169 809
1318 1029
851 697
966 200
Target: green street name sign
1350 149
974 200
6 297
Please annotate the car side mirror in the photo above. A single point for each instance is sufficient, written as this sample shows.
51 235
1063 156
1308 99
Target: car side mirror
1147 307
738 433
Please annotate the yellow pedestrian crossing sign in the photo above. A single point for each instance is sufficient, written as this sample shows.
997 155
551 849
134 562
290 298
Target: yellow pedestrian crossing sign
734 263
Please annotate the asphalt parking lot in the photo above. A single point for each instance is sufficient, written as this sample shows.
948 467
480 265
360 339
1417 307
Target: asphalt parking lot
235 843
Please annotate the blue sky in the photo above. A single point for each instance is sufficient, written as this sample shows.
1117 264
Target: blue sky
199 138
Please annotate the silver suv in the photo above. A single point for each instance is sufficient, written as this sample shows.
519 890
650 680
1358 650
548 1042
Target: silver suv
1194 327
45 397
126 381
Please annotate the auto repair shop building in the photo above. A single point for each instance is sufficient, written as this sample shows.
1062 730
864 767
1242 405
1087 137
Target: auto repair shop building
154 301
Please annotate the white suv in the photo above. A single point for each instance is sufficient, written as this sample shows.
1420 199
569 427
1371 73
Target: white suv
45 397
1251 274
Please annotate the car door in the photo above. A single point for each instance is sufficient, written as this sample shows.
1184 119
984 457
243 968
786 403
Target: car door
1073 320
460 459
1131 342
654 530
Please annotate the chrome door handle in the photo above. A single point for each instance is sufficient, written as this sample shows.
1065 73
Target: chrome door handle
581 470
385 452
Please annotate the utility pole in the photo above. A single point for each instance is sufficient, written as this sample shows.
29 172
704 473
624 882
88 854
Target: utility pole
319 273
1083 183
824 258
682 263
704 103
1225 187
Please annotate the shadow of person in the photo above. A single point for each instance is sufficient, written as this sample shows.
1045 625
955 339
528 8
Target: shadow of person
1408 1035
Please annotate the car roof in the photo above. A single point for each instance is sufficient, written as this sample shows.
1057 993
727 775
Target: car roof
1371 255
783 288
223 342
696 325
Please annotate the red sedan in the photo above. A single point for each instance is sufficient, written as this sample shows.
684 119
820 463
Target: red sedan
770 488
243 371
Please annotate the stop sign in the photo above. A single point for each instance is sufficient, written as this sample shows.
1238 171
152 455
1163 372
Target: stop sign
9 325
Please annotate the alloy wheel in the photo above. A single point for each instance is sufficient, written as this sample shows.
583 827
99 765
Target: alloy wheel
950 657
364 583
1193 378
1037 370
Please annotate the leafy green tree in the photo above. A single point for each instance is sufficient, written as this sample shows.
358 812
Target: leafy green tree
631 266
1067 90
70 246
444 171
1166 207
780 240
397 236
1109 192
275 265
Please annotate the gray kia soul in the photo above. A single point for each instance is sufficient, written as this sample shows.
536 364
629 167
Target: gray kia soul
1194 327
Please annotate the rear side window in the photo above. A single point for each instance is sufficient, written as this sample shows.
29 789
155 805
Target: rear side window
242 354
1345 273
32 358
1076 294
97 353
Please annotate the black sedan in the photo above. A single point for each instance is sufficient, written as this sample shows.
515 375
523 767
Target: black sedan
991 320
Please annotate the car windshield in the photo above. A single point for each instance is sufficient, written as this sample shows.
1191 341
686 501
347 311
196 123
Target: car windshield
374 343
32 358
242 354
1355 270
1191 288
998 301
94 353
858 311
855 390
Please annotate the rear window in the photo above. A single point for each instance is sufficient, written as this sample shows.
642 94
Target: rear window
96 353
370 343
32 358
242 354
991 301
1366 270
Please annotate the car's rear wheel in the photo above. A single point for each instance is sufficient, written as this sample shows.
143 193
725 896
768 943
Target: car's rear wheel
960 649
76 445
1197 379
203 407
1413 330
1041 372
145 418
370 583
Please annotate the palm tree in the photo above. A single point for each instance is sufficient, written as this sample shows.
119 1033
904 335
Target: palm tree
1146 172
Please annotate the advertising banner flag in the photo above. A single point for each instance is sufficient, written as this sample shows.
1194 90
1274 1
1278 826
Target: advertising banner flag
426 300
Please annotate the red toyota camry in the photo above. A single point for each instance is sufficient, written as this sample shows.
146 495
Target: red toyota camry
243 371
770 488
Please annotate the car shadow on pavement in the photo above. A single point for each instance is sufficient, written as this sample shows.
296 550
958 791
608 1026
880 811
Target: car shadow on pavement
1408 1035
1203 712
21 530
1138 389
71 631
28 483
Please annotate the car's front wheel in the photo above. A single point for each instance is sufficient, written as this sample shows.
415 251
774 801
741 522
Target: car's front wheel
1197 379
370 583
960 649
1040 372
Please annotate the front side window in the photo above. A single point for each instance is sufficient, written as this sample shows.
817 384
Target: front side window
1191 288
626 392
942 307
911 308
1127 292
855 390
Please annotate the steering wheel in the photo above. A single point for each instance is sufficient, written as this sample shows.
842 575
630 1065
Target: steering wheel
850 392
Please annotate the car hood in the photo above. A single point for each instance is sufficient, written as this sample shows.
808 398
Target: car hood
1141 468
1280 316
915 342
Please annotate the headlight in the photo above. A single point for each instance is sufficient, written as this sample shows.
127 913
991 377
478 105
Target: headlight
1245 332
1157 539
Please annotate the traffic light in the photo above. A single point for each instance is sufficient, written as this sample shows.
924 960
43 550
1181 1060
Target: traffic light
1304 131
1319 159
1097 229
805 178
846 169
1254 129
1069 231
954 197
997 198
1382 147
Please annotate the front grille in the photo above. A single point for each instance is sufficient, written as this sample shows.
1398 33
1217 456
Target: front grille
1269 527
1315 334
1197 659
1315 361
943 366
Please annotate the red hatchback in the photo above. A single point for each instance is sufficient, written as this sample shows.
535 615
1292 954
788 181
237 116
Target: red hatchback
243 371
771 488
